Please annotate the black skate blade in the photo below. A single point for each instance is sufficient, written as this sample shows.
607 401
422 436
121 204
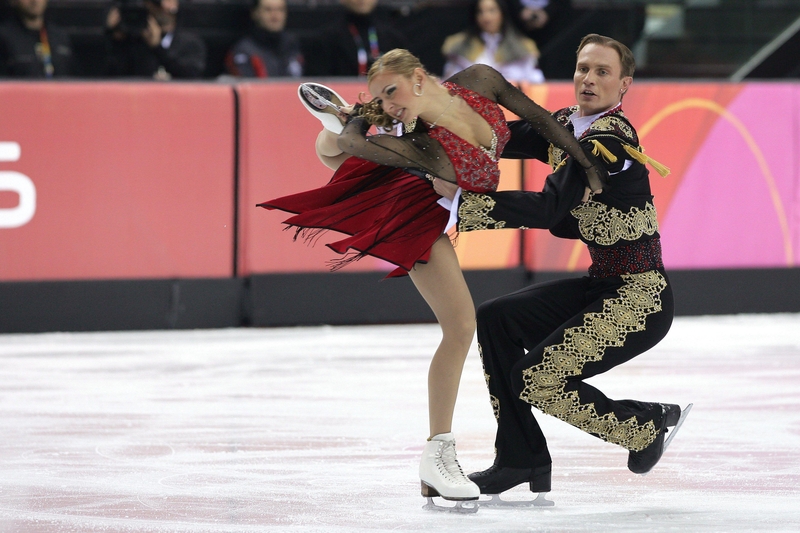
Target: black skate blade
496 501
461 507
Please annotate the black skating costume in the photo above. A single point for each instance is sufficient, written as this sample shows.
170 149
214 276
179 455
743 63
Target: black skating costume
539 344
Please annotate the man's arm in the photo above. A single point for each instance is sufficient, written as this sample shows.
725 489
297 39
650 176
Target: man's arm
522 209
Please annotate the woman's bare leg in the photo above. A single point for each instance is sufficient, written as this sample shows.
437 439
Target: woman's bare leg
441 283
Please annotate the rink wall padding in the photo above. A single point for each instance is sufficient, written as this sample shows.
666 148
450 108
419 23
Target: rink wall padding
115 195
307 299
107 305
358 298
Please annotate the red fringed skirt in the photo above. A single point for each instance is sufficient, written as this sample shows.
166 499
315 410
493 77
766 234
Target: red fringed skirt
387 213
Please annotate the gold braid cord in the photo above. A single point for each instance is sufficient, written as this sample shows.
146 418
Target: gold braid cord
605 226
473 213
545 382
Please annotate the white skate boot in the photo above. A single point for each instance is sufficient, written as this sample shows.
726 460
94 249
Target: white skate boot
441 475
323 103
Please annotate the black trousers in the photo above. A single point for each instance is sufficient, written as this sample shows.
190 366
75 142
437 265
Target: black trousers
539 344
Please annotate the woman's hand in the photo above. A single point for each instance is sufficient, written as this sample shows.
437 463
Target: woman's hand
444 188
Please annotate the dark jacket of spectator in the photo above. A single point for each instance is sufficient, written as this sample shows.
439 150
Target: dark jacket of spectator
335 52
265 54
22 53
184 56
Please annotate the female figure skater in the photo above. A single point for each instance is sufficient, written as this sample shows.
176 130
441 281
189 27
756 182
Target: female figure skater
455 131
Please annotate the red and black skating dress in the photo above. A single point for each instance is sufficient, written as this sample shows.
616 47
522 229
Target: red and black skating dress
379 197
387 211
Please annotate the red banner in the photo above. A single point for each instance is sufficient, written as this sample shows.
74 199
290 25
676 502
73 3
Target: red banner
116 180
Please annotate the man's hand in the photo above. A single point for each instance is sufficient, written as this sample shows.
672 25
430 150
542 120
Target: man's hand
445 188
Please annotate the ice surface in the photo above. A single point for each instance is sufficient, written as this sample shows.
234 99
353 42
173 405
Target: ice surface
320 430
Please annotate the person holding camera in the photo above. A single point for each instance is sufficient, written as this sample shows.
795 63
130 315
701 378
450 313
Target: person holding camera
144 40
31 47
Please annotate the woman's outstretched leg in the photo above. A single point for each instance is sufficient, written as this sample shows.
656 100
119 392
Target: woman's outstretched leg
442 285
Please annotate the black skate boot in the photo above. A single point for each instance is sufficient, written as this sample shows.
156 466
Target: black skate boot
643 461
497 479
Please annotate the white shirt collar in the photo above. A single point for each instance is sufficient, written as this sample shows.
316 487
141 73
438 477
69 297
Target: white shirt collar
581 124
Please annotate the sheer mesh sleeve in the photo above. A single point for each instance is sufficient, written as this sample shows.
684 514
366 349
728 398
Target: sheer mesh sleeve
487 82
413 150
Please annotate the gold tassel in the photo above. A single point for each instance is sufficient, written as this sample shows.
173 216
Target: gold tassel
599 149
643 159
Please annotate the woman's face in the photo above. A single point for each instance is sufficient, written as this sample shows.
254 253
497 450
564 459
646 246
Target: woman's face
396 95
489 17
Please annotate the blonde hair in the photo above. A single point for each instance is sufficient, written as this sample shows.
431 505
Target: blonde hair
397 61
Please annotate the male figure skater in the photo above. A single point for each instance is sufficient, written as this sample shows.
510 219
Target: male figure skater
539 344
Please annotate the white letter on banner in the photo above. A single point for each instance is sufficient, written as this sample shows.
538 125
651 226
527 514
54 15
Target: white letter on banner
9 151
21 184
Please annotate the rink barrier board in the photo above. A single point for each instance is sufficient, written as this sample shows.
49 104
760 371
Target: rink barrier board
108 305
145 187
125 180
309 299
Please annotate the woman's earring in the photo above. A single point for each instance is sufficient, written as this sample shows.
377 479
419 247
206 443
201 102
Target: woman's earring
411 126
415 89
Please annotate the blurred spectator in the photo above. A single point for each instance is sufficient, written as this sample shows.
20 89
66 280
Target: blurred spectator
267 51
492 39
549 23
349 45
31 47
145 40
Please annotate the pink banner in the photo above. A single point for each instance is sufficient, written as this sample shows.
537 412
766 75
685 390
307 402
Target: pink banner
731 200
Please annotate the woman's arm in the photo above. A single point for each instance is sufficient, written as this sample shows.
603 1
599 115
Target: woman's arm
487 81
414 150
328 150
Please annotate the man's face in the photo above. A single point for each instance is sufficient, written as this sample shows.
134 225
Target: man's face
30 9
599 84
360 7
270 15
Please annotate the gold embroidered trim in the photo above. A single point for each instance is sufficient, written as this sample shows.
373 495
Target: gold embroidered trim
613 124
492 399
545 382
473 213
556 157
605 226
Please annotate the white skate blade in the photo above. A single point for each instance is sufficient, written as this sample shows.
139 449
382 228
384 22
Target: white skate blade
461 507
326 111
496 501
315 99
674 431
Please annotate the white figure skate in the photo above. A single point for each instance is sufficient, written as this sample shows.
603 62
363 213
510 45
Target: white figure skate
323 103
441 475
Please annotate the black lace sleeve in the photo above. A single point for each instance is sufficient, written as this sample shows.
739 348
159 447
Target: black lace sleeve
487 82
414 150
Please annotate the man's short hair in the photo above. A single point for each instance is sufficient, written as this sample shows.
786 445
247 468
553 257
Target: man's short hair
625 55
